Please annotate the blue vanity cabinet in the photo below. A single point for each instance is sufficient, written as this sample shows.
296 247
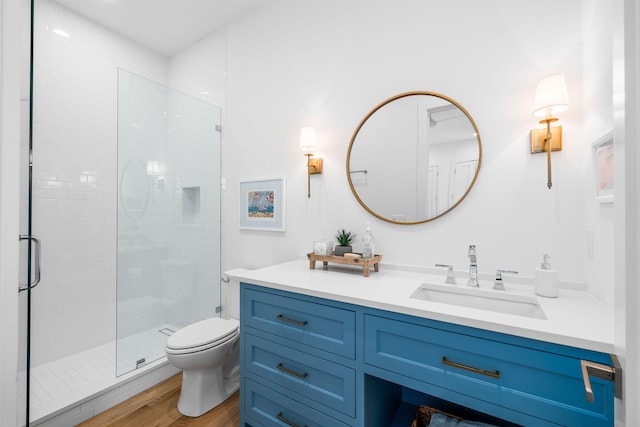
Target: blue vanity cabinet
298 361
303 359
524 381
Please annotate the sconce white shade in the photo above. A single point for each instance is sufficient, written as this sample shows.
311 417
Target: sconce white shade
308 140
551 96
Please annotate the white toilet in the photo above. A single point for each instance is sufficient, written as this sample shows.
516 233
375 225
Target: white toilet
208 354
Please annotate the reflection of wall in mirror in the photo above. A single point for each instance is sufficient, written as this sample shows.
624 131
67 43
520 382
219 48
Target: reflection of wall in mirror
359 177
387 152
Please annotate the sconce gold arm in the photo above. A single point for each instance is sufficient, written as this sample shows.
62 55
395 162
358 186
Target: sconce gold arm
547 144
308 174
314 166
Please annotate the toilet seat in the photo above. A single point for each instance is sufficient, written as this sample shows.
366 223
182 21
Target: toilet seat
202 335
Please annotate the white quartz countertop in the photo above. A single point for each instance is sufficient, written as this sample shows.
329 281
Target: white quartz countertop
575 318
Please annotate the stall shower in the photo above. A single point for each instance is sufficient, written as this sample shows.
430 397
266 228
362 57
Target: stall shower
168 246
122 187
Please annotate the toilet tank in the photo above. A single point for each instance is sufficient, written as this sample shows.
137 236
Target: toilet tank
231 294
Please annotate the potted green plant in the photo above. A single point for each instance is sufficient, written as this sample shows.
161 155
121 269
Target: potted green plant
345 239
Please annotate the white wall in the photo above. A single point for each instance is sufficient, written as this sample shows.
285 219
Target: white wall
632 319
201 69
286 70
598 120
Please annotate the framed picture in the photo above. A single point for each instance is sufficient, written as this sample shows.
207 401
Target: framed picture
262 205
603 168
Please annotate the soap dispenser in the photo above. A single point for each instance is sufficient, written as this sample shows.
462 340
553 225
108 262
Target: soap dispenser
546 279
368 250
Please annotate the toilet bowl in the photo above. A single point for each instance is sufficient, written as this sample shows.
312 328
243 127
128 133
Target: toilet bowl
208 354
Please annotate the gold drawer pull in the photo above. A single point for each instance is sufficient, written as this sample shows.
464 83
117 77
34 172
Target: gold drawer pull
286 421
295 322
597 370
494 374
281 367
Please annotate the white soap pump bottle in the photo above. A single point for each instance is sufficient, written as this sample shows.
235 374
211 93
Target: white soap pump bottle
546 279
368 250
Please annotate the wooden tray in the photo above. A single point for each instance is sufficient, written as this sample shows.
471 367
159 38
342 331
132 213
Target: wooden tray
360 262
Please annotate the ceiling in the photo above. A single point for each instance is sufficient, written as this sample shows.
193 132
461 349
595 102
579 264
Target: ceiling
164 26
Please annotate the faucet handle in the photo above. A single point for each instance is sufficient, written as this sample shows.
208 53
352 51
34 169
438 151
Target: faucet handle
451 278
498 285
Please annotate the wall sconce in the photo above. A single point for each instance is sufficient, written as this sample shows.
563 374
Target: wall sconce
309 144
551 99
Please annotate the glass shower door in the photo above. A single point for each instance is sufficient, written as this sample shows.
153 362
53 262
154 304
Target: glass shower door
168 216
29 243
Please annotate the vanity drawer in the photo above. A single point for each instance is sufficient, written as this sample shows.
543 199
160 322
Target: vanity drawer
270 409
316 325
328 383
535 382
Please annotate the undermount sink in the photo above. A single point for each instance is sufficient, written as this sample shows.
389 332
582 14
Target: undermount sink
483 299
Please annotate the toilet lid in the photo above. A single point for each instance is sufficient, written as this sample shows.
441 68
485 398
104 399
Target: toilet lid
202 333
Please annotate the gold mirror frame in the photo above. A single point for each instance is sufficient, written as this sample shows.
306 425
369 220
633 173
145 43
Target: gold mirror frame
371 113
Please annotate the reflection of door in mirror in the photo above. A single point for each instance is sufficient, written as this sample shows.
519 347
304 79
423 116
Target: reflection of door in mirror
432 185
450 150
441 125
462 175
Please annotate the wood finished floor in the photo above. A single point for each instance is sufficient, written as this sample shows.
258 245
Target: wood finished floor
157 407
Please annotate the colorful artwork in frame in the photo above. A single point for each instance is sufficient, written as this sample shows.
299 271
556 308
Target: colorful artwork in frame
262 205
604 167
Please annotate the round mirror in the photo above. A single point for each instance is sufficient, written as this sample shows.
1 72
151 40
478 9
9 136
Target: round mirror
414 157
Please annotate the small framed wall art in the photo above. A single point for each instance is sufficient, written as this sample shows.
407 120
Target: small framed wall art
263 204
604 167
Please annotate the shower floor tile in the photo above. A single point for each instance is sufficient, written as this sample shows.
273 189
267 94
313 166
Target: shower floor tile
148 345
58 384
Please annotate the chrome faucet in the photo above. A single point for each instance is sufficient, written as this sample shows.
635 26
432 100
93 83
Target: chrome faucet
473 267
498 285
451 278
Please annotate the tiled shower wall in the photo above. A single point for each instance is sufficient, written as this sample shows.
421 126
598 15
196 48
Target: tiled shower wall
75 178
168 210
193 178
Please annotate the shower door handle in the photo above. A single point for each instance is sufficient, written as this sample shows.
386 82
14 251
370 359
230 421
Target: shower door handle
36 263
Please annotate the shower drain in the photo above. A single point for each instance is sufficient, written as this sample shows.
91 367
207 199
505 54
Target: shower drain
168 332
